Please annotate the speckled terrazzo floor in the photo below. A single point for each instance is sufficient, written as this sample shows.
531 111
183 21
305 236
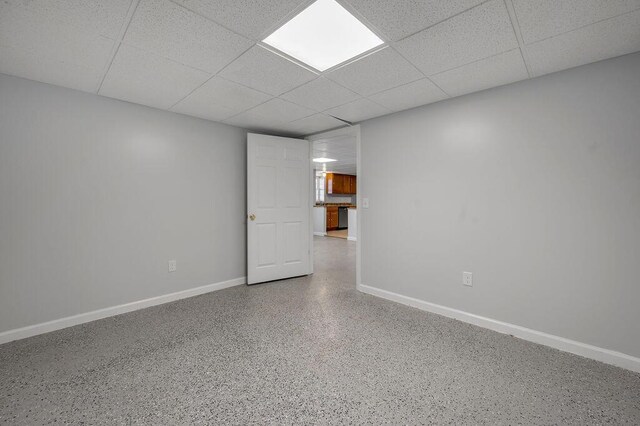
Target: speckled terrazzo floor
308 350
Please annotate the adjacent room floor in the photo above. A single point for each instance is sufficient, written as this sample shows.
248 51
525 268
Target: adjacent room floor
307 350
340 233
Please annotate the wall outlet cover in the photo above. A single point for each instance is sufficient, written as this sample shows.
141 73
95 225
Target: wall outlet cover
173 265
467 279
365 203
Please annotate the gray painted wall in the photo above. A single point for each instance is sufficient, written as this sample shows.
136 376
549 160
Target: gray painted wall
96 195
534 187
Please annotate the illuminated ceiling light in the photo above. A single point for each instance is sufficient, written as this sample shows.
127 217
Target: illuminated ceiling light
323 35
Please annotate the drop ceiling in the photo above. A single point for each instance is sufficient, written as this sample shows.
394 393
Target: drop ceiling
204 57
342 149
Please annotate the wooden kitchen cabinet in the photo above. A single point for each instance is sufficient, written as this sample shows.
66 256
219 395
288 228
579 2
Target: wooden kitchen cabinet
329 182
340 184
332 218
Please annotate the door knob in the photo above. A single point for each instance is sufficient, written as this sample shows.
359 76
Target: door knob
252 217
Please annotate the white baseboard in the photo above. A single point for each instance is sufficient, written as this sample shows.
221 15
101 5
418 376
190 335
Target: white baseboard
45 327
320 234
351 238
588 351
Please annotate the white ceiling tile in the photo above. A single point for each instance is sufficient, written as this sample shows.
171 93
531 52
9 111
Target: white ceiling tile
252 18
267 72
255 122
495 71
400 18
219 99
410 95
343 168
45 69
320 94
342 153
342 158
45 41
313 124
169 30
359 110
319 147
209 112
88 16
540 19
343 145
281 111
605 39
481 32
141 77
374 73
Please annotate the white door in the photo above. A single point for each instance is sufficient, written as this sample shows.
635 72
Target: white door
279 209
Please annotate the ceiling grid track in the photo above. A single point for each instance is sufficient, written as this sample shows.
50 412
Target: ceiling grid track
123 30
299 9
444 20
214 75
609 18
428 77
419 70
209 60
518 32
323 112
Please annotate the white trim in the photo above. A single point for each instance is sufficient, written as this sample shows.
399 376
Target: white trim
352 238
359 197
46 327
588 351
312 203
320 234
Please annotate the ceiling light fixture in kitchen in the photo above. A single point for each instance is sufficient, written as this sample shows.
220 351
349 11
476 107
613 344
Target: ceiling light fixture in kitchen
323 160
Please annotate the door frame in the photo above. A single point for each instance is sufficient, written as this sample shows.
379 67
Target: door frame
343 131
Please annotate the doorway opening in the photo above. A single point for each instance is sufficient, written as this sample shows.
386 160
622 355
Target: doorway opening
335 189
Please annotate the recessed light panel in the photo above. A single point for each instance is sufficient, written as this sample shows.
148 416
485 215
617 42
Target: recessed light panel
323 35
323 160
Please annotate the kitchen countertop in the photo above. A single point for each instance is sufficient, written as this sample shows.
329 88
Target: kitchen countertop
351 206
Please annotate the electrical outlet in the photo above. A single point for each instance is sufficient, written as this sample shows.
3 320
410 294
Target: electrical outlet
365 203
467 279
173 265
